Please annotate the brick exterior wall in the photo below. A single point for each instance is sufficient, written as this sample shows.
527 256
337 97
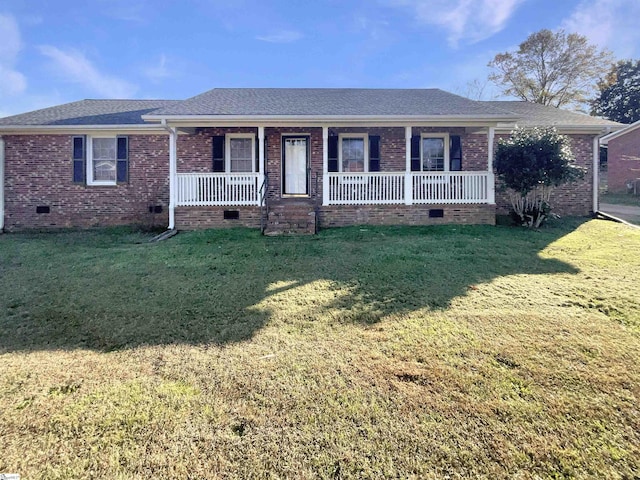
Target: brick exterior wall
623 161
570 199
197 218
38 172
344 215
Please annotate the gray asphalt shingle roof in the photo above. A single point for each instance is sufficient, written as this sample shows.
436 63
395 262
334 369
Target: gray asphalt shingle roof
534 114
301 101
89 112
328 101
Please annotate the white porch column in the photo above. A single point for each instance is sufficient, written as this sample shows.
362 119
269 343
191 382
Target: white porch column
491 178
261 163
325 165
408 179
1 184
173 175
596 172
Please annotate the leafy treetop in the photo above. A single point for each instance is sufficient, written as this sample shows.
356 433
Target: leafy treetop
551 69
619 97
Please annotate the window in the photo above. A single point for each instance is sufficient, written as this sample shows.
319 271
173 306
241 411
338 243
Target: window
434 153
102 160
240 152
354 153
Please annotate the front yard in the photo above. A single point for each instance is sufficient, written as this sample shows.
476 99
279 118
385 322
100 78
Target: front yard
361 352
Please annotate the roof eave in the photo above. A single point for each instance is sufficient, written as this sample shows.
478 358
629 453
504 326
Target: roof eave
596 129
229 120
123 128
622 131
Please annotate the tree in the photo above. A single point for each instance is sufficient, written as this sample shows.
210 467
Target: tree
619 98
551 68
530 164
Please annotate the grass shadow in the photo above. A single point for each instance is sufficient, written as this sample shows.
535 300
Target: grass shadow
109 290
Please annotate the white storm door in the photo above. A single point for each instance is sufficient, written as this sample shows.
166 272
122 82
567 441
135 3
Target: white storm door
295 166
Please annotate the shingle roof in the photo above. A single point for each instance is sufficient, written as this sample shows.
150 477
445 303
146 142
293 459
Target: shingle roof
534 114
329 101
90 112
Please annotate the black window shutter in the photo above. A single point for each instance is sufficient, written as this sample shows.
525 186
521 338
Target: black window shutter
333 153
455 153
79 156
122 167
374 153
415 153
257 154
218 153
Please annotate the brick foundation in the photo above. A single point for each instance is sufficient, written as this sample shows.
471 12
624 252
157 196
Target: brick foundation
198 218
344 215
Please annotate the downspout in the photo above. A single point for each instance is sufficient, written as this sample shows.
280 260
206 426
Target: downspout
1 184
596 171
173 169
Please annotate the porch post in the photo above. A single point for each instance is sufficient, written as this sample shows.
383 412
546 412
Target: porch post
408 179
325 165
491 178
173 172
261 163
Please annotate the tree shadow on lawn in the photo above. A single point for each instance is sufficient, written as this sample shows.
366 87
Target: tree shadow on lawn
106 292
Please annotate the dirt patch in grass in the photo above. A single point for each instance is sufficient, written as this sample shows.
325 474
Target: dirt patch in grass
414 352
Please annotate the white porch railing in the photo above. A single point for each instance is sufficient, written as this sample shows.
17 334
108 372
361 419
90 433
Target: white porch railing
201 189
366 188
389 188
451 187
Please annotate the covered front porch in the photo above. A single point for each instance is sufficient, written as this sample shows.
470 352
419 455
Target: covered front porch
308 163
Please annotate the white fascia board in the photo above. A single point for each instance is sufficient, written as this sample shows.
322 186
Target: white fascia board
337 120
75 129
566 129
622 131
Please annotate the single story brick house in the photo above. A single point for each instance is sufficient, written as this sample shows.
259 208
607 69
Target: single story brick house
623 159
283 159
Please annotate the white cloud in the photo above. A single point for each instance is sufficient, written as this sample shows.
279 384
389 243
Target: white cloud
611 24
76 68
12 82
464 20
280 36
158 71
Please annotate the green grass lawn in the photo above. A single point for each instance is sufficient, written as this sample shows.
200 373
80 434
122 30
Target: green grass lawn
434 352
620 199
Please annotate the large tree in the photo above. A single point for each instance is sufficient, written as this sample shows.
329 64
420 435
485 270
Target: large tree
619 97
551 68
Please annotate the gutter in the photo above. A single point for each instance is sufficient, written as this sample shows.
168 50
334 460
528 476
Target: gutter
1 184
126 128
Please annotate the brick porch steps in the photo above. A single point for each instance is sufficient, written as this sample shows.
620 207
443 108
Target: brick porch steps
291 217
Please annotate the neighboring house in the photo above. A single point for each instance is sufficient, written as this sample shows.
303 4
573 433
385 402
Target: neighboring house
284 159
623 159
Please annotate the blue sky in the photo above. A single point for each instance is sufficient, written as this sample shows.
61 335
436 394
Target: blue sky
59 51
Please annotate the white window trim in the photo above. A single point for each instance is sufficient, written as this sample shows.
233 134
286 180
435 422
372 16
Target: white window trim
89 166
227 152
447 141
365 136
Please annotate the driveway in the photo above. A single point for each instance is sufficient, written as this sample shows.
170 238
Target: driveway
628 213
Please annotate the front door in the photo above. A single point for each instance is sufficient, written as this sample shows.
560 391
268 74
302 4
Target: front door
294 165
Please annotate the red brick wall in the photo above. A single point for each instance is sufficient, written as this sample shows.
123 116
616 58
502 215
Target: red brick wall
344 215
38 172
570 199
623 161
195 152
197 218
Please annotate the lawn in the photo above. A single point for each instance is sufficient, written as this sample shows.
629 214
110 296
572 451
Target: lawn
426 352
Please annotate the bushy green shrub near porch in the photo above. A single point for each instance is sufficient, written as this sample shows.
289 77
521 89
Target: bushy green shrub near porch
530 164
